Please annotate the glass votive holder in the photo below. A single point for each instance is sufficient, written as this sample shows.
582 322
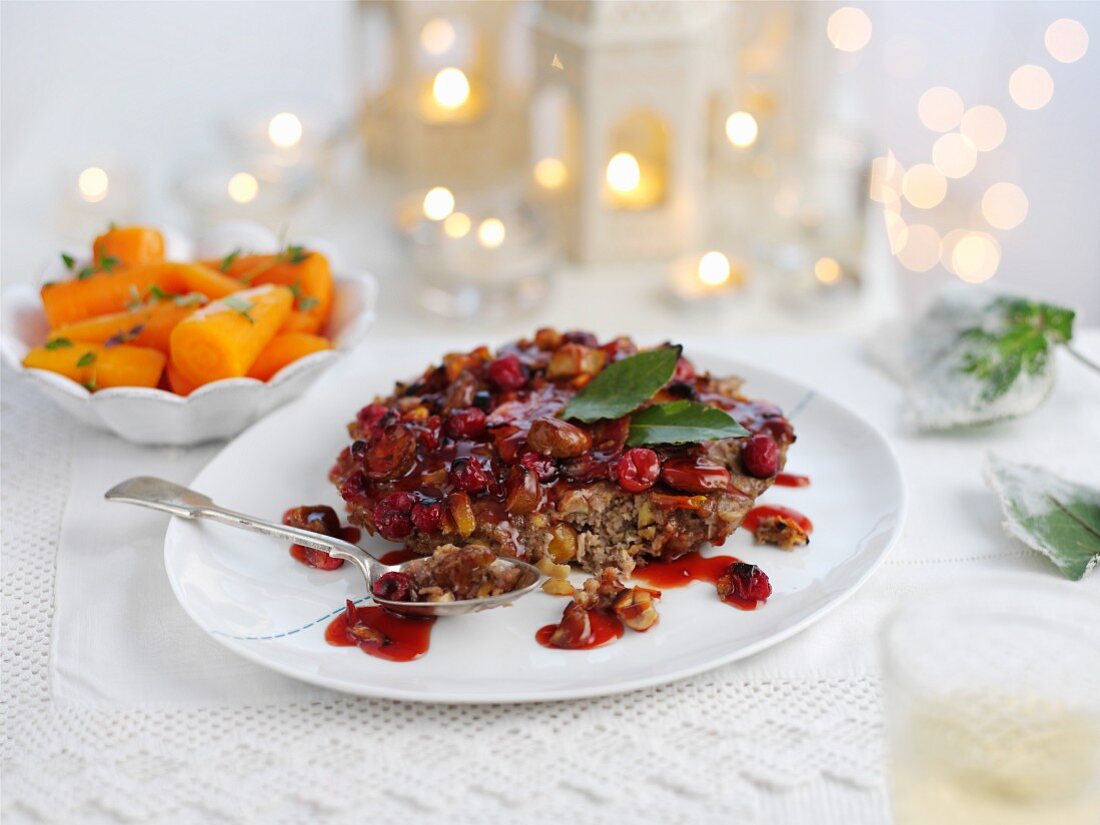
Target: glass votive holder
295 134
487 255
244 190
93 195
993 704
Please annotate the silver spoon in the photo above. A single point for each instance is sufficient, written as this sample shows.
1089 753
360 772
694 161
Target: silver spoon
158 494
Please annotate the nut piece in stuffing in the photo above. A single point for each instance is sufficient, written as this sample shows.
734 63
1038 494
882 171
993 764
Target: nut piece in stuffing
456 573
781 531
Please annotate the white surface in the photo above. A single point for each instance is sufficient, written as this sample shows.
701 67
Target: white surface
252 597
793 734
217 410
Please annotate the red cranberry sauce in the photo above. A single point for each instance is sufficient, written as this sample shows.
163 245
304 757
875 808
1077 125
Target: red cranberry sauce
739 584
322 519
380 633
449 441
602 628
791 480
752 520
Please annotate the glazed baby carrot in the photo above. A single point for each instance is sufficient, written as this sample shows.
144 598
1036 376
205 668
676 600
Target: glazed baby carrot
302 322
104 292
224 339
130 245
306 273
179 384
149 326
284 349
99 367
209 282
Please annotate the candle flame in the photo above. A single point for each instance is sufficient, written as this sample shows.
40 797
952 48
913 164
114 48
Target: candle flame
490 233
439 202
285 130
243 187
93 184
623 172
714 269
451 88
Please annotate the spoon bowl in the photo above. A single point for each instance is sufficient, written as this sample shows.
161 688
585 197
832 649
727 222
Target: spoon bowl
168 497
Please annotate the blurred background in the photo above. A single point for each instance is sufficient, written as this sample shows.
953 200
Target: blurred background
626 166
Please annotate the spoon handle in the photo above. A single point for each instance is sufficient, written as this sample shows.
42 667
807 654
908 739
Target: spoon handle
158 494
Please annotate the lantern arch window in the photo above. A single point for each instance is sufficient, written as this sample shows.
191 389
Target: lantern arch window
636 167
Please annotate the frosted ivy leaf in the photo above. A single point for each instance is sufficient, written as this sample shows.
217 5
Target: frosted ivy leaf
974 357
1058 518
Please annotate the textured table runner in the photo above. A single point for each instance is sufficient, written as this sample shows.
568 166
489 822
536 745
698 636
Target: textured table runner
117 707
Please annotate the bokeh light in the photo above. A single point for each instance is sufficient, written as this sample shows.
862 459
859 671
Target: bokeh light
457 225
1031 87
827 270
976 257
921 251
885 180
742 129
714 269
1066 40
550 173
623 172
954 155
285 130
451 88
490 233
437 36
849 29
924 186
93 184
1004 205
947 248
897 230
243 187
940 109
985 126
439 202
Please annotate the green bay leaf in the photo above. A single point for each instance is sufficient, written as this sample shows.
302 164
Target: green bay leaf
1057 517
680 422
624 386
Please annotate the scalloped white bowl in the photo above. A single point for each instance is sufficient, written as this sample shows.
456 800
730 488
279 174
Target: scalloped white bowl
218 410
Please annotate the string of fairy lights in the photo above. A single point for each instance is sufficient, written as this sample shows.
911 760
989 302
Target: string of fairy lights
911 196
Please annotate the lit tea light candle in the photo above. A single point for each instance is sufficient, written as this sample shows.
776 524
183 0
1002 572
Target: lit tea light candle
243 187
550 173
93 184
438 203
285 130
742 129
450 97
827 271
630 185
457 225
697 278
490 233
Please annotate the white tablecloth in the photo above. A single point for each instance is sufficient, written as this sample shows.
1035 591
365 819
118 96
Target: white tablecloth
160 723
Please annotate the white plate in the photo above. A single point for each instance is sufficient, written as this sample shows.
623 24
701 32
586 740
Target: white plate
248 593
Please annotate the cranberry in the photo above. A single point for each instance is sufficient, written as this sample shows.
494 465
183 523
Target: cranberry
428 518
521 491
557 438
392 524
354 487
318 519
760 456
680 390
400 501
685 372
468 474
467 423
745 582
319 559
577 336
508 373
393 587
545 468
638 469
780 429
370 415
695 475
391 453
431 433
358 449
483 400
